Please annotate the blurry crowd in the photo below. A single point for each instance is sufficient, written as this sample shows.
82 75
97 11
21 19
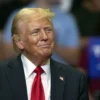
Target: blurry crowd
75 22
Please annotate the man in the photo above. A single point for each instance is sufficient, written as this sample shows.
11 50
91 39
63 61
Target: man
33 38
67 46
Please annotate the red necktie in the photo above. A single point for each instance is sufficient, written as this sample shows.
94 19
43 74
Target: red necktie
37 92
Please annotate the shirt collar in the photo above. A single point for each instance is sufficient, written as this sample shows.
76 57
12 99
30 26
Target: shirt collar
29 67
46 68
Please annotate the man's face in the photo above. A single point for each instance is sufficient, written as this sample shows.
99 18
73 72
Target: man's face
38 39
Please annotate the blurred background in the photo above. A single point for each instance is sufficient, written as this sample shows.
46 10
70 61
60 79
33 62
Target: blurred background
77 34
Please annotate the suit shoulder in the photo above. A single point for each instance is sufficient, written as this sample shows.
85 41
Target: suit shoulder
4 63
71 72
68 69
71 69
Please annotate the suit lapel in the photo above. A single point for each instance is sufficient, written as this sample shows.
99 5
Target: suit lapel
16 79
57 81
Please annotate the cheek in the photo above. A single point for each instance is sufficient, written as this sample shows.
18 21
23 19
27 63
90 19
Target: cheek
51 36
34 39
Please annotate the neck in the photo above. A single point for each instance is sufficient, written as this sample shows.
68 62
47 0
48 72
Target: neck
38 61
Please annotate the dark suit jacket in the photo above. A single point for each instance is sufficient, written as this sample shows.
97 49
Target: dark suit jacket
71 87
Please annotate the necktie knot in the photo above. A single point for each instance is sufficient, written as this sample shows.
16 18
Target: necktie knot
39 70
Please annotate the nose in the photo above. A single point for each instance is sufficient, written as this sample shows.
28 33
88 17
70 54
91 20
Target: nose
44 35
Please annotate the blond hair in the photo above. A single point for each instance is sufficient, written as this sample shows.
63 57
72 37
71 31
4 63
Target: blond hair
23 16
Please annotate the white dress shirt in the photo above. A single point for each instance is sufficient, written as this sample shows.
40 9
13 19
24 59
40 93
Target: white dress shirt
29 67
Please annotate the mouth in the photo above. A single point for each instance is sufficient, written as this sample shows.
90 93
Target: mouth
45 46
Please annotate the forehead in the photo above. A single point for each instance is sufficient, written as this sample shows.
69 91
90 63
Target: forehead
31 22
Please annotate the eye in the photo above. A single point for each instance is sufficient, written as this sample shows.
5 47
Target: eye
48 29
35 32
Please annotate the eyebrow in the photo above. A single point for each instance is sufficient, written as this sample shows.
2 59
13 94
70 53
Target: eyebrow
36 27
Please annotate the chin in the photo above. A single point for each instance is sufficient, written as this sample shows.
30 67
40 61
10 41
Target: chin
47 54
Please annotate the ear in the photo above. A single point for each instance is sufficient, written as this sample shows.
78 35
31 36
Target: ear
18 42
